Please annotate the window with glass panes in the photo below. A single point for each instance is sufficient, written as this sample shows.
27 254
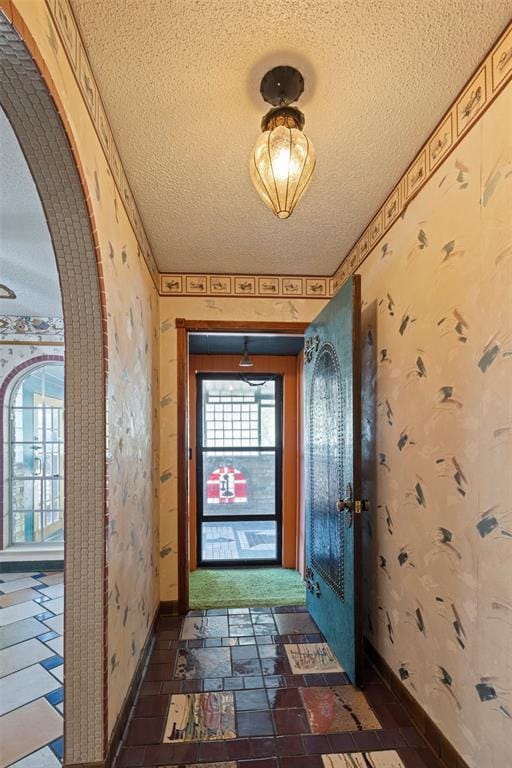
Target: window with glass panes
234 416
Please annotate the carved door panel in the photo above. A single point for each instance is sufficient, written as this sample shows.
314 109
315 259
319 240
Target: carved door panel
333 467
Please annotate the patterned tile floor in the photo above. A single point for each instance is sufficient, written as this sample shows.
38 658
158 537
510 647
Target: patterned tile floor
259 688
242 540
31 669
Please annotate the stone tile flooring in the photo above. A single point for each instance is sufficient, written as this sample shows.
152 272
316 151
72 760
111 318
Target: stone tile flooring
239 540
31 669
260 688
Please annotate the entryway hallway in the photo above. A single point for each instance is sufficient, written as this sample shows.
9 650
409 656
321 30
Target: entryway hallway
260 688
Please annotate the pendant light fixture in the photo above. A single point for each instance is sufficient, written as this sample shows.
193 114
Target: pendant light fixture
245 361
283 159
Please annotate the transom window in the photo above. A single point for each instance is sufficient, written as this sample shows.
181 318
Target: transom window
235 416
36 456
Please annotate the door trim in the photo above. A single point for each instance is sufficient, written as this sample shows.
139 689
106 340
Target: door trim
183 328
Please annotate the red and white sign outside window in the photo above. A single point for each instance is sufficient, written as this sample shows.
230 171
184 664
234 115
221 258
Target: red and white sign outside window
227 485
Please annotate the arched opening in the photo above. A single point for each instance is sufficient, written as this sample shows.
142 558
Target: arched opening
34 118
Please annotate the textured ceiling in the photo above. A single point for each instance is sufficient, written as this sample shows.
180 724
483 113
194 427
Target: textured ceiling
180 81
27 261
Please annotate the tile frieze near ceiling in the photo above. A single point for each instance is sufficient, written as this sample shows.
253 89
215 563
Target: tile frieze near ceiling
368 112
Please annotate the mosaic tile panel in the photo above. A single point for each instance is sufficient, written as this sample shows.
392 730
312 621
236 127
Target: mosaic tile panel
338 708
385 759
200 717
312 658
257 720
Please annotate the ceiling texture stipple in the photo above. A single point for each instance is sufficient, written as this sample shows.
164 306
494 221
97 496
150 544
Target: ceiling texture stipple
180 82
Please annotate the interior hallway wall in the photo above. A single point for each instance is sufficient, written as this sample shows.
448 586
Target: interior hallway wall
131 304
250 310
437 400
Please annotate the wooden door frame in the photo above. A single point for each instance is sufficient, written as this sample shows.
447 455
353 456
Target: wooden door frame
183 328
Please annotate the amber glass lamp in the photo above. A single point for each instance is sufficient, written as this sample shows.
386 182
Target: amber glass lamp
283 159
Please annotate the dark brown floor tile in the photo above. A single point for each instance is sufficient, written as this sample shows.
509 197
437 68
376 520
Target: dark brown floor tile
341 742
251 700
302 761
192 686
314 679
145 730
162 657
157 672
284 698
316 744
336 678
150 689
171 686
294 681
212 751
266 762
289 721
151 706
171 754
366 740
254 724
412 737
131 757
391 739
264 747
238 749
289 745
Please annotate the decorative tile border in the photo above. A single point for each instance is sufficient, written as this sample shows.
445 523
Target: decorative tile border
249 286
67 29
25 325
490 78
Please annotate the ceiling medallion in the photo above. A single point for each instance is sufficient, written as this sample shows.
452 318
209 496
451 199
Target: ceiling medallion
283 159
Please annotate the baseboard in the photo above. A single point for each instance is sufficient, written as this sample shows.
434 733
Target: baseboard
24 566
429 730
129 700
169 608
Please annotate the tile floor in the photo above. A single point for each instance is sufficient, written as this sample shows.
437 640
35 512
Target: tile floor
242 540
259 688
31 669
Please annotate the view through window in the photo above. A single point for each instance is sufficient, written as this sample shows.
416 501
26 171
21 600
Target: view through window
239 453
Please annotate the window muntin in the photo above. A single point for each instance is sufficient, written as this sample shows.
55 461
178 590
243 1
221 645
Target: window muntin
36 456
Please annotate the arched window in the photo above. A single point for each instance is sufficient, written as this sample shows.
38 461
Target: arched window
36 456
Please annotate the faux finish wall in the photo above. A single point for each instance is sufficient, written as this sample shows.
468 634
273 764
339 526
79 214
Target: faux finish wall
131 311
437 399
250 310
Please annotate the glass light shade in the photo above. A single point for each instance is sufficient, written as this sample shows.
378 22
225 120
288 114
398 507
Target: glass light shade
281 167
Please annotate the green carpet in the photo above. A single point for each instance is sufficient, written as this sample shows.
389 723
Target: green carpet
246 587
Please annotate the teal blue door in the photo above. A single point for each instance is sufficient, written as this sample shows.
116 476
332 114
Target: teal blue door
332 442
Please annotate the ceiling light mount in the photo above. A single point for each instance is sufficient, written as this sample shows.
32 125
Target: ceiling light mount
283 159
282 86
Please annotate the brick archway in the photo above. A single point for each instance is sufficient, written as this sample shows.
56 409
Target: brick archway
26 101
